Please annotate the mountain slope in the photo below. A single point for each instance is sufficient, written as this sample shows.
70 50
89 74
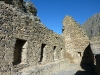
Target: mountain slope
92 26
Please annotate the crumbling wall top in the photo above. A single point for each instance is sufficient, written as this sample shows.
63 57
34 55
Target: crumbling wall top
74 34
25 6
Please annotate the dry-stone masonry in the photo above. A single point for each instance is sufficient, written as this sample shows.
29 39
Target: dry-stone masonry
27 47
25 41
74 38
95 45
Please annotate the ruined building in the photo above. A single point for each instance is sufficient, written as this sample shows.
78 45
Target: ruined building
27 47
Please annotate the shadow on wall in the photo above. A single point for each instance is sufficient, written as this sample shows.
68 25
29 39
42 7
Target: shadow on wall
97 57
87 63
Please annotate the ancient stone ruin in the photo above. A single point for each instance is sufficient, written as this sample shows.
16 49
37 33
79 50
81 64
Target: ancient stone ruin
27 47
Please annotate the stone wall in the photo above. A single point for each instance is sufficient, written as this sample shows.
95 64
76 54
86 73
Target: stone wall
75 38
95 45
25 41
27 47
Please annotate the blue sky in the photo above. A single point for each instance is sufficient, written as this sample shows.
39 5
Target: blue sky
52 12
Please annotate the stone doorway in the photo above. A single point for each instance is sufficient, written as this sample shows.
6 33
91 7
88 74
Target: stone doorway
42 51
20 50
54 49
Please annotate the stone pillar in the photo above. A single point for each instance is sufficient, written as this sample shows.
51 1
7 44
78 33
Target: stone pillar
24 53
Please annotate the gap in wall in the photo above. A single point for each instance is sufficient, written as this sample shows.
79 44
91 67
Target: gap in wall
18 51
42 49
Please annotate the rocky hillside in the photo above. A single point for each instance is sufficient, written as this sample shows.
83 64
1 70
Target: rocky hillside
92 26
